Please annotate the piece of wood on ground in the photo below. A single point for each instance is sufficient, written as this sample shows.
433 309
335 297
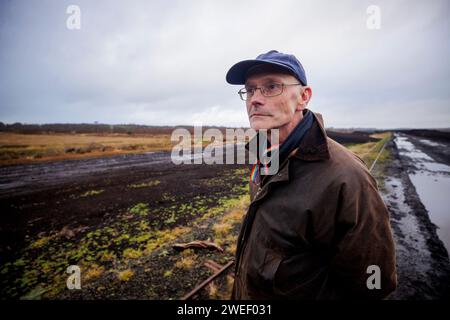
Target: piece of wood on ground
200 244
214 266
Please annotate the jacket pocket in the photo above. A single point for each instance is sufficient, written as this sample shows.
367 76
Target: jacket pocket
262 265
299 277
267 271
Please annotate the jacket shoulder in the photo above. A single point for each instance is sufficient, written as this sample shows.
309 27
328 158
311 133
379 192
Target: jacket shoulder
347 165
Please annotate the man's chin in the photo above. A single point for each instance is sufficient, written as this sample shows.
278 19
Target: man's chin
257 125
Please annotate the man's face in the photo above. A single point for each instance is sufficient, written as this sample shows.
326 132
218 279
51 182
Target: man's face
273 112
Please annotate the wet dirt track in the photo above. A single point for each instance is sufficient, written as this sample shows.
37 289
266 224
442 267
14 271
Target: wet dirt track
422 259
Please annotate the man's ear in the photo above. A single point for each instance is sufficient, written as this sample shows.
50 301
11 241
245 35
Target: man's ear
304 97
306 94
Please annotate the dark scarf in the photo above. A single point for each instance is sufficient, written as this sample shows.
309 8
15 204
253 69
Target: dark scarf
296 136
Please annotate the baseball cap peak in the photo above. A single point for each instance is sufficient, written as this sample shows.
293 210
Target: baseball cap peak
237 73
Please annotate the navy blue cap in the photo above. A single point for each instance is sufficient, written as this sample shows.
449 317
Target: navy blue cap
237 73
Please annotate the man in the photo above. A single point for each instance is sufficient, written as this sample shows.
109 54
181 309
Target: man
318 229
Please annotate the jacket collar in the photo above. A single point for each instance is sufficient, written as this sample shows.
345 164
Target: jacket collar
314 145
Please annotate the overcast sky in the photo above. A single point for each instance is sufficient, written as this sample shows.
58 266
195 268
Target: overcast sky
164 62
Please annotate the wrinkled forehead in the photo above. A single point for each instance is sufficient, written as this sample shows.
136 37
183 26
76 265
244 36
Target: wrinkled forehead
269 72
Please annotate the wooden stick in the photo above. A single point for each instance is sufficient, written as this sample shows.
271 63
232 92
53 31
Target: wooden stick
204 283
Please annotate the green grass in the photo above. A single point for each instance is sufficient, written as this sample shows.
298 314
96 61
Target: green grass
91 193
145 184
369 151
40 268
140 209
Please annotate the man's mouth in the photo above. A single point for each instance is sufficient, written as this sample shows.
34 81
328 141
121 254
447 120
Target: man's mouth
258 115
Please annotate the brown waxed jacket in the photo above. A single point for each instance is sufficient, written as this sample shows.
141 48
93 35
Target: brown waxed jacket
313 229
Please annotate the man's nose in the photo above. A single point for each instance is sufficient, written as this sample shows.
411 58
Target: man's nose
257 96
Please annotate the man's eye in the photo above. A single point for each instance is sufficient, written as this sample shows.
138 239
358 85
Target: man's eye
272 86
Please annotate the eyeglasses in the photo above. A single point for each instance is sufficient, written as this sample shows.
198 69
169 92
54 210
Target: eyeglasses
268 90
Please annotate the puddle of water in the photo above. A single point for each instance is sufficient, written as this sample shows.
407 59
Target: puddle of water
408 149
436 167
431 143
434 193
409 227
432 183
28 176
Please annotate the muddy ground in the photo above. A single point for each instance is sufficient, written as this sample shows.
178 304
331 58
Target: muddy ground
422 260
109 215
118 217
